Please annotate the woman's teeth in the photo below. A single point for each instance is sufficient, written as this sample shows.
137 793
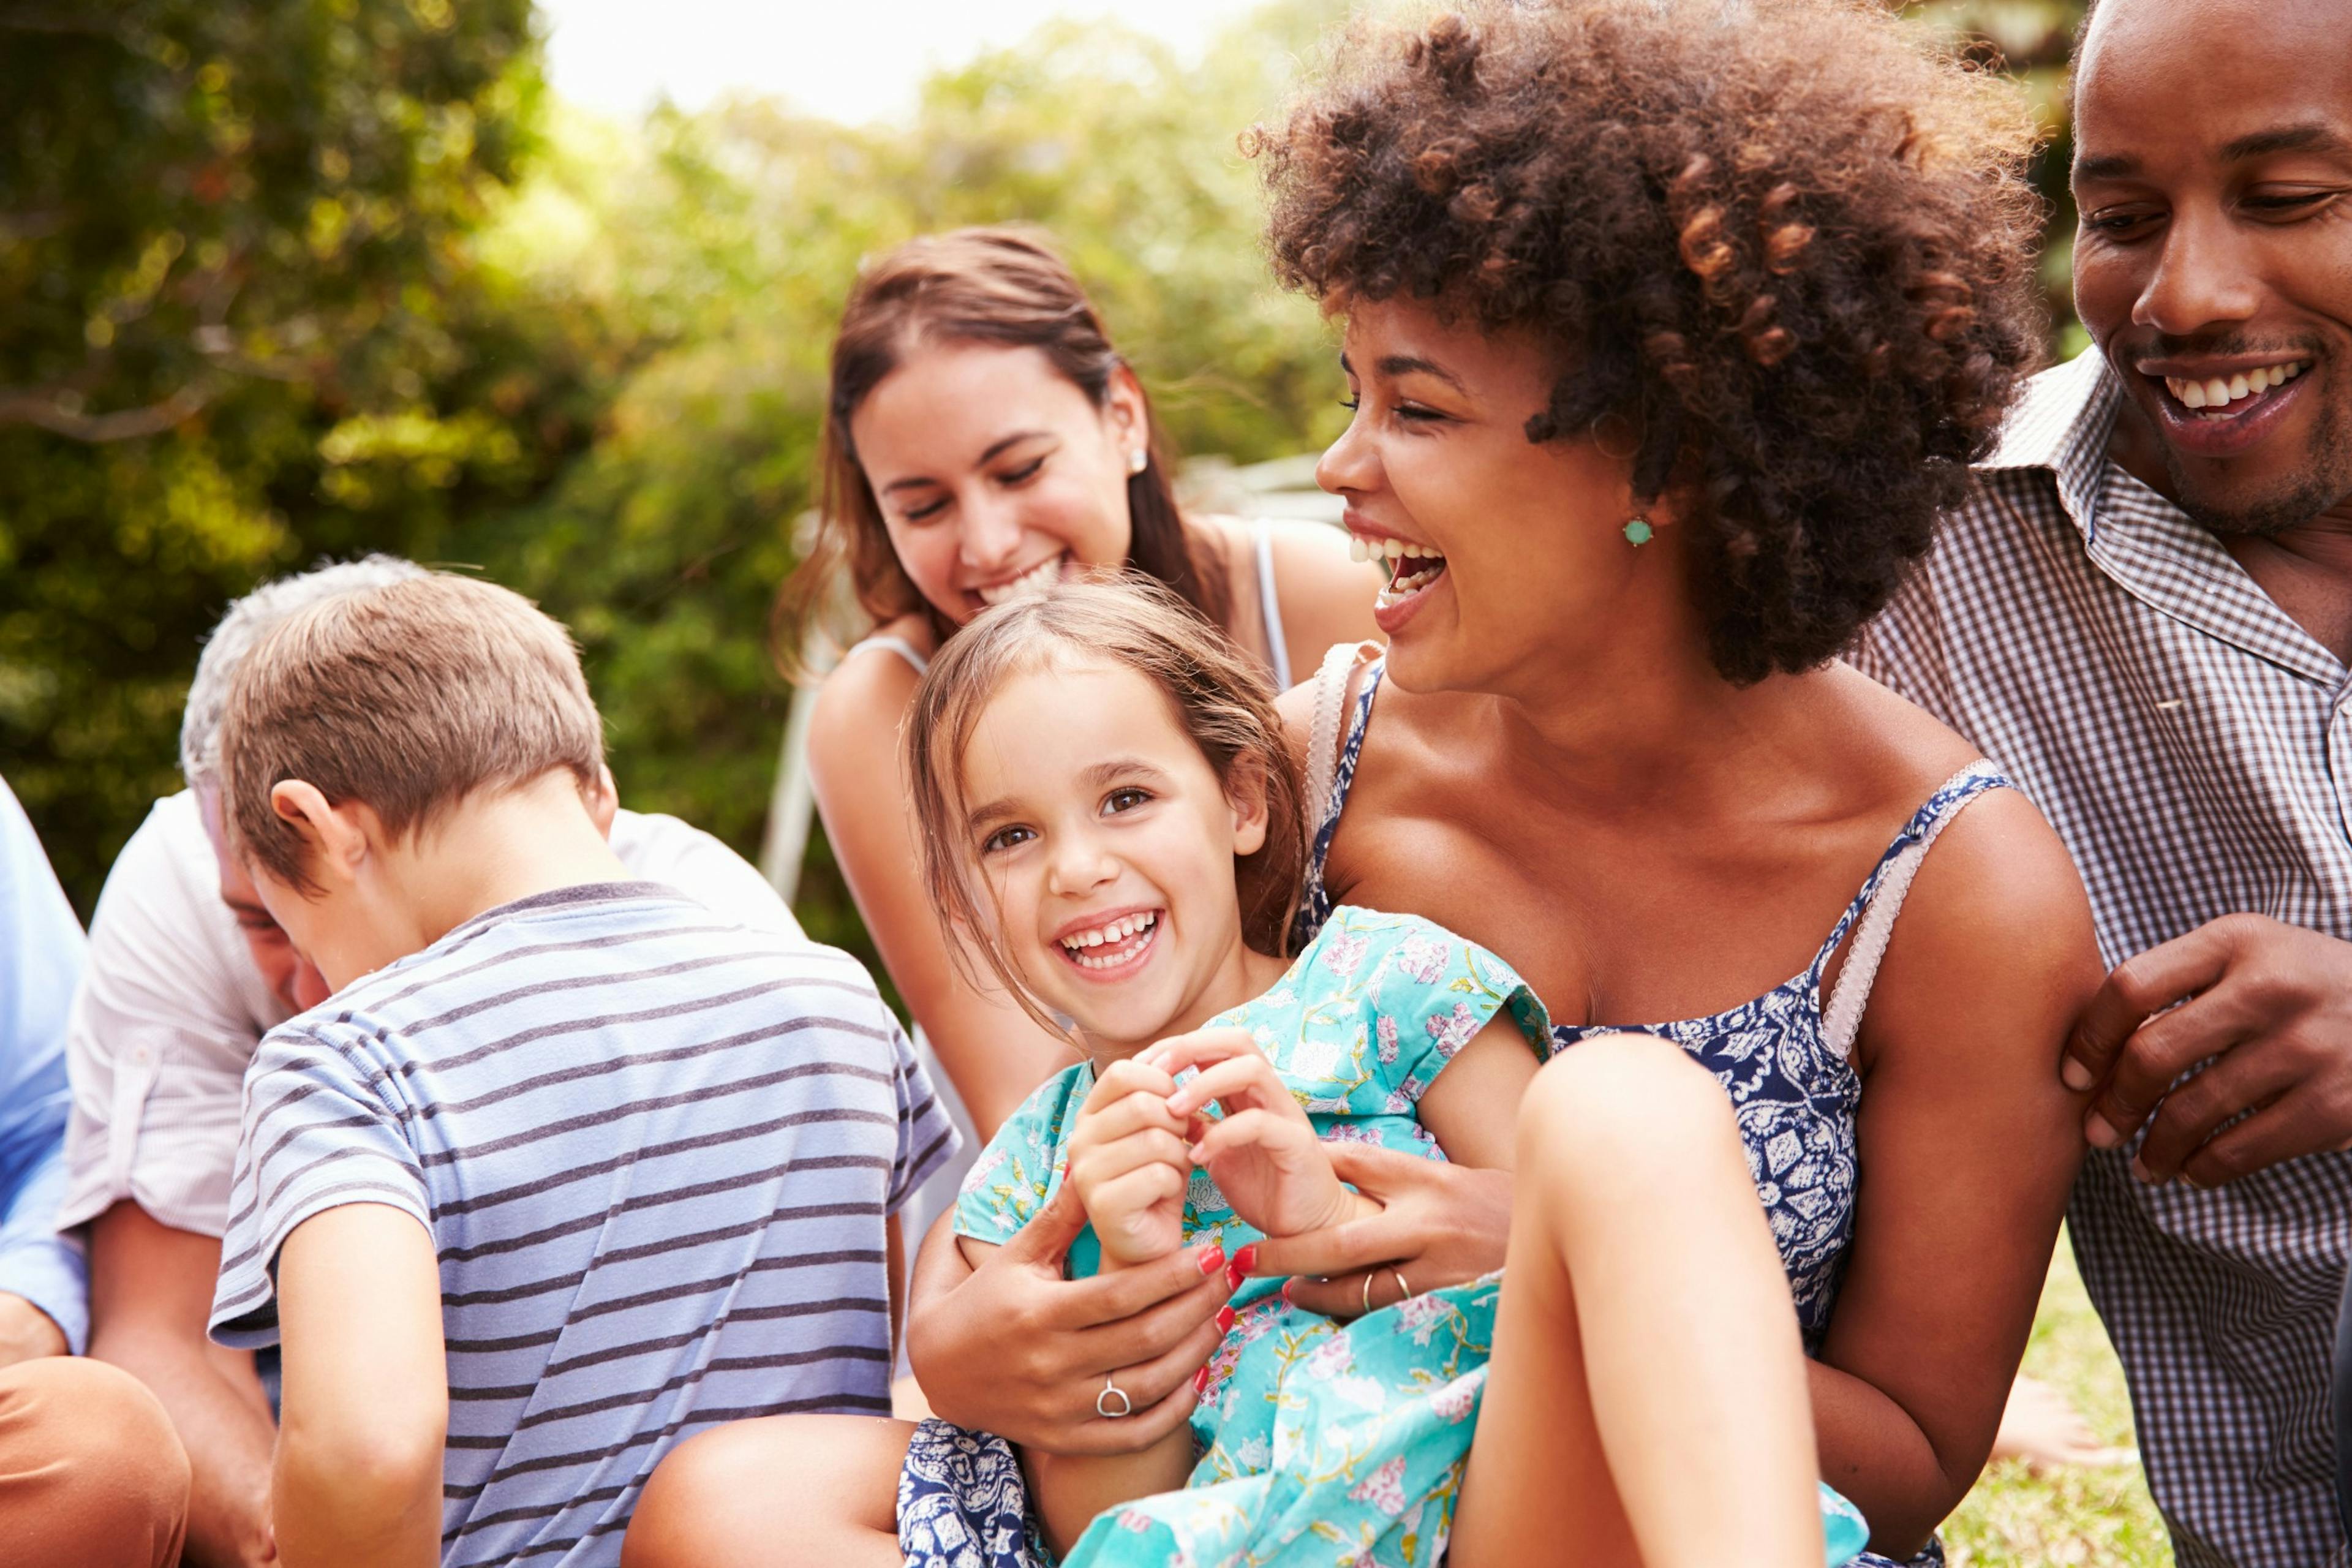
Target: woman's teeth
1411 567
1116 934
2220 391
1036 579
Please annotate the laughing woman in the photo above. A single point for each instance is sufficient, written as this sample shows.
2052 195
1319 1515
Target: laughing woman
1672 326
981 439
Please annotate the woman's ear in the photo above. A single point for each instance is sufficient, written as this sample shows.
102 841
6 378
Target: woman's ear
1125 413
1246 792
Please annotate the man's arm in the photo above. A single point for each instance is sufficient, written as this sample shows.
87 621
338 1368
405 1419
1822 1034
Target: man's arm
44 1305
366 1405
44 1289
150 1288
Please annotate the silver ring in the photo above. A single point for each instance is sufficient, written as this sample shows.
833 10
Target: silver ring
1368 1295
1405 1291
1125 1405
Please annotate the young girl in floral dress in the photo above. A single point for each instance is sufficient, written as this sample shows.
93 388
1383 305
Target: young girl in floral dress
1091 772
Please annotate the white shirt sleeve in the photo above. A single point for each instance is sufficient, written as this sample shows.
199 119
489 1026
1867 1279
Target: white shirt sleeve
170 1010
661 849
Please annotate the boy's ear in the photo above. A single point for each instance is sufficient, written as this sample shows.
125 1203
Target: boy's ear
336 839
1246 792
604 801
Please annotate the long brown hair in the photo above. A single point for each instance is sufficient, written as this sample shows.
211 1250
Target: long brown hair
1005 286
1220 698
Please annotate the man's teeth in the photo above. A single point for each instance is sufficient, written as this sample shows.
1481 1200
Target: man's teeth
1036 579
1118 930
2220 391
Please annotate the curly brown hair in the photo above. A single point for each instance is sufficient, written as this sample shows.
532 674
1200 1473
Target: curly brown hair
1786 239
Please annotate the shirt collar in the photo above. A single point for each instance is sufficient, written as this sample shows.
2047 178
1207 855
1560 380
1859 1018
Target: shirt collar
2063 424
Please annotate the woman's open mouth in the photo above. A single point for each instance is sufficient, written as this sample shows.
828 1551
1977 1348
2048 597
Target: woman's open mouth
1034 581
1114 948
1410 567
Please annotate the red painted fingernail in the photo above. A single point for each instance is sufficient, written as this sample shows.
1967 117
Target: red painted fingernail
1246 1260
1285 1292
1225 1320
1201 1381
1212 1260
1232 1276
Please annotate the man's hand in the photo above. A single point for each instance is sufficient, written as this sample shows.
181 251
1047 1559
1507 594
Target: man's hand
1129 1165
26 1333
2271 1003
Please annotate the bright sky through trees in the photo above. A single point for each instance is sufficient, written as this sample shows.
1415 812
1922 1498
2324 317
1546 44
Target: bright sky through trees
849 60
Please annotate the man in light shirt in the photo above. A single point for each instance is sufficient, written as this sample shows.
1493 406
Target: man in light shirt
186 972
2144 614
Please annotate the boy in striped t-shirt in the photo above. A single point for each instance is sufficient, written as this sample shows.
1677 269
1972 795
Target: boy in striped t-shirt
568 1167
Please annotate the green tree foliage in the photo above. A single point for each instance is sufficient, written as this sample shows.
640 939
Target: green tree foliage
312 277
232 266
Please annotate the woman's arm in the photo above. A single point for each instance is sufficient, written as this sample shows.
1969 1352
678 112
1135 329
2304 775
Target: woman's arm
1969 1144
992 1051
1013 1348
1067 1491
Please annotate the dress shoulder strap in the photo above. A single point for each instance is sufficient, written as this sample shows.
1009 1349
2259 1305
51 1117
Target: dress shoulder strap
1330 769
885 641
1270 604
1323 733
1880 900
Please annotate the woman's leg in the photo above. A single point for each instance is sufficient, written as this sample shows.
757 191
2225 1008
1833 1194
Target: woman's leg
1648 1403
778 1492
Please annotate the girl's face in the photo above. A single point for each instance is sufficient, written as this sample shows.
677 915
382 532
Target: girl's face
995 473
1106 844
1512 552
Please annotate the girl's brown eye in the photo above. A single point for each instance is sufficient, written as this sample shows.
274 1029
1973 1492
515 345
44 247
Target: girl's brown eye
1006 838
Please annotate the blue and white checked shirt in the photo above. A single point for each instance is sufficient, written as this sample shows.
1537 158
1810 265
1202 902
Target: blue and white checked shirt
2192 744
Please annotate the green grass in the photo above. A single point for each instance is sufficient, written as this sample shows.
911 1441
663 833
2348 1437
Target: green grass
2014 1518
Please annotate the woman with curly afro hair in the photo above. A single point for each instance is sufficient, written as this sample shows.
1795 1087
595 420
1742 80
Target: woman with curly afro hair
1669 327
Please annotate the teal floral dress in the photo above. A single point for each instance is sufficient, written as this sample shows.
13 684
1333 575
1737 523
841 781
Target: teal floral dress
1336 1444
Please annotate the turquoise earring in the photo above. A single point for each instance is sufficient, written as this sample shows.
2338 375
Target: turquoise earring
1638 532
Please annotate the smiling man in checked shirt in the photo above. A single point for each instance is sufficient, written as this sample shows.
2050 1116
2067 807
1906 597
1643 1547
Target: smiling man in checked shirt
2144 614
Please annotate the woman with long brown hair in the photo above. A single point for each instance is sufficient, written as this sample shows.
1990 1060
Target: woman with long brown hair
983 438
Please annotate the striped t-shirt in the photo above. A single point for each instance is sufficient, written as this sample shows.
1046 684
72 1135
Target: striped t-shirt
656 1150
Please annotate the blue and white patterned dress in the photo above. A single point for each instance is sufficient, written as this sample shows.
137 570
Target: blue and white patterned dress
1319 1443
1795 1093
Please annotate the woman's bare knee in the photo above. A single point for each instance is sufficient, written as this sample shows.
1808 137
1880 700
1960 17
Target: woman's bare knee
1619 1103
772 1493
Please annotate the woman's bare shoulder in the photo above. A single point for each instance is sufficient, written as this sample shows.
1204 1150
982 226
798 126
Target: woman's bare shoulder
859 706
1327 595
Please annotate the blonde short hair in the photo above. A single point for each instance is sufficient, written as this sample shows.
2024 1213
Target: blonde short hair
408 698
